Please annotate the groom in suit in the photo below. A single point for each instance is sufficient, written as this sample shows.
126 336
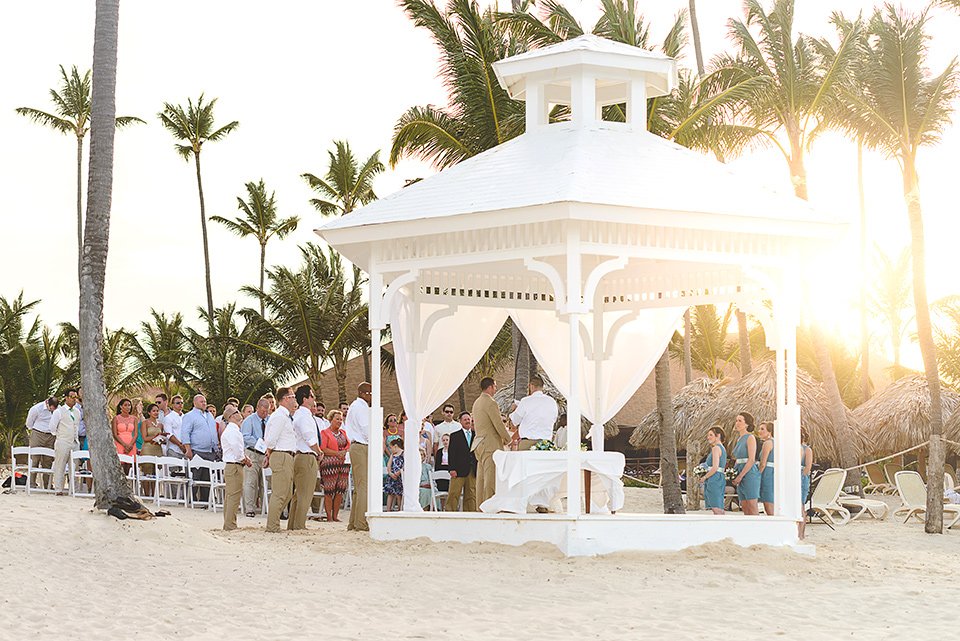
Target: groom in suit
491 436
463 467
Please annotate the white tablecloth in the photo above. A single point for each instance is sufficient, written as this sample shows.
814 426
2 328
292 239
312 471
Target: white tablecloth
539 478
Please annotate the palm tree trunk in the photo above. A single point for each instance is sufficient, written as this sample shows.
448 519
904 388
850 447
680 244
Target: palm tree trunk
746 358
206 245
462 398
687 357
695 30
669 473
935 452
110 484
366 363
524 363
838 411
79 205
864 333
263 269
340 371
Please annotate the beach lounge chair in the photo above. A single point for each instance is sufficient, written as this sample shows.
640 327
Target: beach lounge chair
824 500
878 483
913 493
858 507
890 472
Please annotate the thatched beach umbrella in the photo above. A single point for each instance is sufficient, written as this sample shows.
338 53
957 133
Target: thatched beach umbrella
898 417
506 395
756 393
688 404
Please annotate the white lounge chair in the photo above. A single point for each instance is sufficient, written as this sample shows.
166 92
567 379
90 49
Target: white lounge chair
913 493
858 507
824 499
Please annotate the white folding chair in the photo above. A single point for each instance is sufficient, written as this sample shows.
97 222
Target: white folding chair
173 481
197 463
218 485
15 467
131 460
437 497
267 490
80 474
143 477
39 471
318 494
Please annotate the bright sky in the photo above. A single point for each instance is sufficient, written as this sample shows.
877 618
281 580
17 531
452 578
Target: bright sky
297 76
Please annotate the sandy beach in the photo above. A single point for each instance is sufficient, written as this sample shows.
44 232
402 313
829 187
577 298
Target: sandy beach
181 575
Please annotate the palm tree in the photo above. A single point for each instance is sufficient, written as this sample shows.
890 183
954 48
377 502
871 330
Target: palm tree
260 221
72 116
898 106
947 339
346 185
194 126
890 298
158 358
802 81
669 472
347 303
230 361
303 313
112 490
710 345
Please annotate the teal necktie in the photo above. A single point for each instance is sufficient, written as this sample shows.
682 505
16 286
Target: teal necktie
469 436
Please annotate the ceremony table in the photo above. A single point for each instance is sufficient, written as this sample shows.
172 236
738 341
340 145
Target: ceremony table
540 477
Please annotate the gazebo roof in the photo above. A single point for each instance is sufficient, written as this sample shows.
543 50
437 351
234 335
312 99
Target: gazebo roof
563 172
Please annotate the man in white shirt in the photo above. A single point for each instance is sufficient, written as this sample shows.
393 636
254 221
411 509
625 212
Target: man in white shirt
163 403
281 442
171 428
306 460
64 425
234 459
38 425
357 424
448 426
535 415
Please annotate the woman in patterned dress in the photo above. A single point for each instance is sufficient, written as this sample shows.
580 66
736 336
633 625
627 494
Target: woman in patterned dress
334 470
394 484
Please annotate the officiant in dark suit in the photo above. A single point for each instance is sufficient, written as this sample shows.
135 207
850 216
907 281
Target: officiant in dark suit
463 467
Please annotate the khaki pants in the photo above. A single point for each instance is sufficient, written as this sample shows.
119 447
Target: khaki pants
61 462
42 439
304 482
468 486
233 477
358 505
486 477
281 466
252 482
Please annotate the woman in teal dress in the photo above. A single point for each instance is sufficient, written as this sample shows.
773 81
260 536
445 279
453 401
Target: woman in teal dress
714 482
765 432
806 466
747 481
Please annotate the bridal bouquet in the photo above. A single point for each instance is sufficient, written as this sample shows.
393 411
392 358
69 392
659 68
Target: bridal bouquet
700 471
731 473
545 445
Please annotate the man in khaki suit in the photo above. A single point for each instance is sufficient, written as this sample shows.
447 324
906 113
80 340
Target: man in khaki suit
491 436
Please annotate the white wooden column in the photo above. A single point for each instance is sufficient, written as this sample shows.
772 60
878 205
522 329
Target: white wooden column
374 458
599 356
786 444
574 310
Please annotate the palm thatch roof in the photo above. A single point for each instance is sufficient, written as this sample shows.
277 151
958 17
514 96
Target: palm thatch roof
898 417
755 393
688 404
506 395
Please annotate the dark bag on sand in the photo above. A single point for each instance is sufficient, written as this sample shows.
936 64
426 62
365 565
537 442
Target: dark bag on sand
21 480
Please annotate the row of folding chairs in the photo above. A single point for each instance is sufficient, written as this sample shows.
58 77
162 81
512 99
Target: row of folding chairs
164 480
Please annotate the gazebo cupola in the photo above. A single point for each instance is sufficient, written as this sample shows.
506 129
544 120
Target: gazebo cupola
587 74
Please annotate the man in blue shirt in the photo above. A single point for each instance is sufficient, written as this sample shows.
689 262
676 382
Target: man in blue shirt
198 433
252 429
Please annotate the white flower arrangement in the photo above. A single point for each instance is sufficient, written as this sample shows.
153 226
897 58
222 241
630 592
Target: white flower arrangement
700 471
731 473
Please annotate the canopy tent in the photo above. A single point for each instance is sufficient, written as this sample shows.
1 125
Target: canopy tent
593 236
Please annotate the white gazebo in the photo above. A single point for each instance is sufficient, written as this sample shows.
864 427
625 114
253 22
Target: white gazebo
594 237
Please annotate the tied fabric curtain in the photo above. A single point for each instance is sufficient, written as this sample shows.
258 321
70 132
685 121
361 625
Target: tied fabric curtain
436 346
620 348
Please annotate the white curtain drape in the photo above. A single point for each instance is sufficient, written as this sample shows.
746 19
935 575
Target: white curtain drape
435 348
619 347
